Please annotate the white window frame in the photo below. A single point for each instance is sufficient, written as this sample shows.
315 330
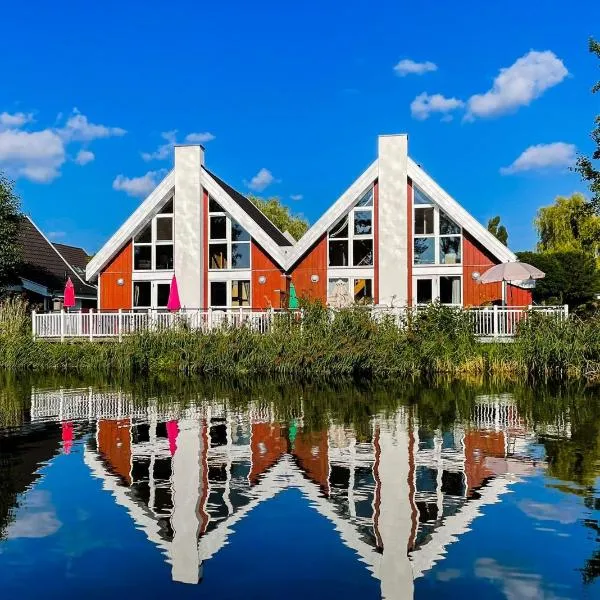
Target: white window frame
154 283
350 283
154 242
436 235
352 236
228 281
435 287
228 241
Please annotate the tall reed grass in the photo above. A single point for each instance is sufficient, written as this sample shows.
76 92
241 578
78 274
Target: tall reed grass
434 341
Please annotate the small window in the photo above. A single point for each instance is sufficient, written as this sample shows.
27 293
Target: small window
363 222
218 293
238 233
164 257
144 236
218 256
164 229
337 286
450 290
240 256
362 253
424 221
424 291
450 250
447 225
424 251
367 199
142 294
168 208
214 206
363 290
419 197
218 228
240 293
162 294
340 230
142 258
338 253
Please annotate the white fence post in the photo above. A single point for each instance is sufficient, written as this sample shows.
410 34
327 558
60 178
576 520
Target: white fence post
566 309
91 324
210 311
62 325
33 323
80 323
495 322
120 325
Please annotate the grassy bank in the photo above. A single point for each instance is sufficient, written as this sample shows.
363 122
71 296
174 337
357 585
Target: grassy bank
436 341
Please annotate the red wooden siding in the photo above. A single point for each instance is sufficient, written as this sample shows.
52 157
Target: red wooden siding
376 242
112 295
478 259
267 445
409 246
272 293
313 263
114 444
312 451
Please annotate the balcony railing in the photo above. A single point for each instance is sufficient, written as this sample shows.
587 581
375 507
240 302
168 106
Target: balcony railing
488 322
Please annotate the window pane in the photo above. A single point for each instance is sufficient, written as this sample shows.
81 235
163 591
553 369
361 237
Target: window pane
450 250
141 293
240 293
240 256
423 221
424 251
145 235
164 257
362 252
363 222
218 293
447 225
142 258
162 294
340 229
168 208
217 256
238 233
419 197
164 229
363 290
450 290
424 291
337 286
367 199
218 228
214 206
338 253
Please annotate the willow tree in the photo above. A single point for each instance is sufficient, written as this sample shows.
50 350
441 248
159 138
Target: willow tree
281 216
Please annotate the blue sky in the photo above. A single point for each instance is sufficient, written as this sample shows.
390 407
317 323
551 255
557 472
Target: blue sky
297 92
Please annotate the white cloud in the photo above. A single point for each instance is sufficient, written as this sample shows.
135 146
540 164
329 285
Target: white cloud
409 67
16 119
296 197
79 129
199 138
164 150
424 105
543 156
36 518
263 179
56 235
137 186
84 157
518 85
36 155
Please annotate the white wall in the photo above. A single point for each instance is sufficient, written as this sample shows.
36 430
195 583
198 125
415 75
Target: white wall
393 226
188 225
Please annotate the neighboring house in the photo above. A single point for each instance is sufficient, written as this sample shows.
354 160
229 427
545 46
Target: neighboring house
46 268
394 237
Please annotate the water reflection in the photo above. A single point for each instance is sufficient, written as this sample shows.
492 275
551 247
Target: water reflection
399 490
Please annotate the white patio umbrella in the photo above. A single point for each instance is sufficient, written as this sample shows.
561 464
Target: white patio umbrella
510 271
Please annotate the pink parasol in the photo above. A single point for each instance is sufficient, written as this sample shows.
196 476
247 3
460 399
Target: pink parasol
69 301
173 303
172 433
67 437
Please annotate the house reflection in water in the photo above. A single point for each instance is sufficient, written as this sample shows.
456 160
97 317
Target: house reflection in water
398 496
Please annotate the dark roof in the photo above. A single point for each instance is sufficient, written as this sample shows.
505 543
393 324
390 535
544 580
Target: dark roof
253 212
76 257
43 264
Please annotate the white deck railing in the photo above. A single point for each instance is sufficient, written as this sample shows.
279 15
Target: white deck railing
488 322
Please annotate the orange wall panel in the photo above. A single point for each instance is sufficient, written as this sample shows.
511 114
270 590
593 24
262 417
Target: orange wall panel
272 293
409 255
114 444
477 259
376 242
112 295
312 451
267 445
314 262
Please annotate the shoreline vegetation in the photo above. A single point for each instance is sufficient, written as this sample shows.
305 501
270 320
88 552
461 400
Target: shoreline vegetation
435 341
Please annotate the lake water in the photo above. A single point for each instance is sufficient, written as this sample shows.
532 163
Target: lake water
289 491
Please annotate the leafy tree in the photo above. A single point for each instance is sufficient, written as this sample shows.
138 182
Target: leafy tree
568 225
585 165
498 230
281 216
571 277
10 220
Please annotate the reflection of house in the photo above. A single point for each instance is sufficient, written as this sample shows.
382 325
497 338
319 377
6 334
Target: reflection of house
393 237
46 267
398 497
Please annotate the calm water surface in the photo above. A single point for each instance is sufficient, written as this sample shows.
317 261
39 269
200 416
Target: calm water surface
290 492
